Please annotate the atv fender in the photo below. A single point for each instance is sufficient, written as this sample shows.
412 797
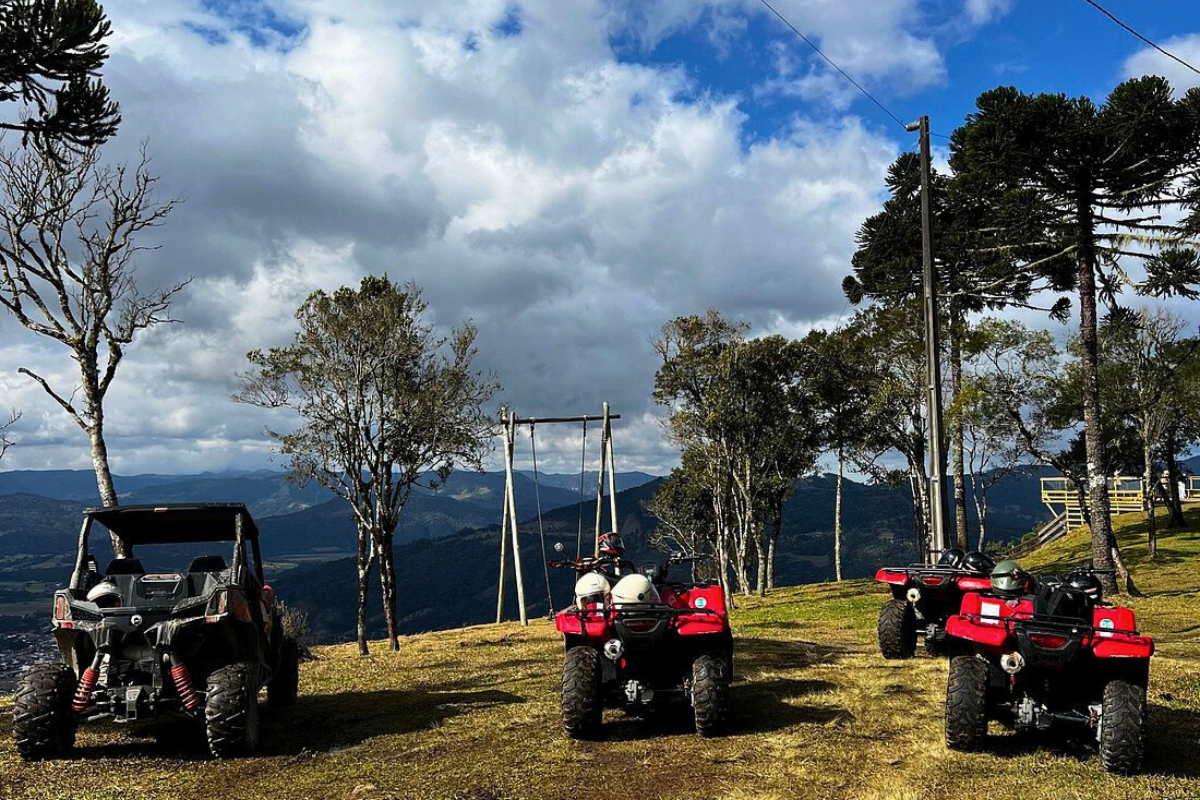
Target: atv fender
892 577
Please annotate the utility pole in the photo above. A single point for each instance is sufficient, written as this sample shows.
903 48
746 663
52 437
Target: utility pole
939 509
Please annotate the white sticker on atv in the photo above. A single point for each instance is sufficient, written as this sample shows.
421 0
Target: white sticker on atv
1107 624
701 602
989 611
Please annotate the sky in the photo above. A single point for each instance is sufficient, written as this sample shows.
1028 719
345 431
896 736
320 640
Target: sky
567 174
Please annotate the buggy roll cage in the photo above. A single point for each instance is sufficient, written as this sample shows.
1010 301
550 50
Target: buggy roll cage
194 522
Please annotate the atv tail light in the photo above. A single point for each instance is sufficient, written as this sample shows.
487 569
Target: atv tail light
932 580
60 608
218 604
1049 640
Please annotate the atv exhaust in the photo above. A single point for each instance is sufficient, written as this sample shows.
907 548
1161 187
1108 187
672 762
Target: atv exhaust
1012 663
614 649
913 595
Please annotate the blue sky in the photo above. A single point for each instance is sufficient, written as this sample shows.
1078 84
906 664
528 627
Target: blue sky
568 174
1065 46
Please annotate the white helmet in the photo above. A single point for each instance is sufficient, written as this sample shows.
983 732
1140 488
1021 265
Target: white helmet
105 594
590 588
634 589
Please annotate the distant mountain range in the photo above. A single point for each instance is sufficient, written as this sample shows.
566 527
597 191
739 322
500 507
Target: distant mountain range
448 540
452 581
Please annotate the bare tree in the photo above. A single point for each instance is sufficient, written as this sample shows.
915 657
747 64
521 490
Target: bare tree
71 228
384 403
6 442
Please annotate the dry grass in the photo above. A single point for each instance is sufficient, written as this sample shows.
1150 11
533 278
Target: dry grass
473 714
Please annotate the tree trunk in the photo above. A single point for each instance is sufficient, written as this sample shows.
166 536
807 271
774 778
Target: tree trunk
956 445
104 480
983 522
837 519
366 560
1148 496
1177 518
760 584
1103 542
776 527
980 499
387 581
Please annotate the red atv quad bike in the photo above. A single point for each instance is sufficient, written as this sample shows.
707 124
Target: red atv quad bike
640 641
1048 654
924 596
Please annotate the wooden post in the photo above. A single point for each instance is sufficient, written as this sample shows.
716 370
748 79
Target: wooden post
509 437
600 483
503 533
612 471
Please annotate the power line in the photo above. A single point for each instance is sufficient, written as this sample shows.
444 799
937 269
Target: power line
1111 16
810 43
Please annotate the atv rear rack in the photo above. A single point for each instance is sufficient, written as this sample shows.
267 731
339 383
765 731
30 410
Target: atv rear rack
1046 622
634 610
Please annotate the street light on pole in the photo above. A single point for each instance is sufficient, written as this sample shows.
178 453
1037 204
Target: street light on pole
939 509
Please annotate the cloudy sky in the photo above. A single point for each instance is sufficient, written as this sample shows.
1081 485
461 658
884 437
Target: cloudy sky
569 174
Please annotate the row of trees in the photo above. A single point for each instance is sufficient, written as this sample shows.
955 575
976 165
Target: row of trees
1048 198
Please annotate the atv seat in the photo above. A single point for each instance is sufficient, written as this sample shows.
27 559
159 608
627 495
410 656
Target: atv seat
125 566
208 564
1057 599
202 574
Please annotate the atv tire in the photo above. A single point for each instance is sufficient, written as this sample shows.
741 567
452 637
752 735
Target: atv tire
231 711
285 683
581 707
43 721
966 703
1123 727
897 629
710 694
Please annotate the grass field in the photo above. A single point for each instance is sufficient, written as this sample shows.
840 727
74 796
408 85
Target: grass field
817 714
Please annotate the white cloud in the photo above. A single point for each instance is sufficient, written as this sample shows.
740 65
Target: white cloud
568 201
1149 61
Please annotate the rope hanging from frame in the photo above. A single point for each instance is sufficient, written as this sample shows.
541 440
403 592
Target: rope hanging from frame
582 470
537 491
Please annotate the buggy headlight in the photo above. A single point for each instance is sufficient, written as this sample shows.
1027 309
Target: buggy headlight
217 607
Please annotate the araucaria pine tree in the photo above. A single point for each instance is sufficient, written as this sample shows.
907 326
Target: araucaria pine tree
1079 193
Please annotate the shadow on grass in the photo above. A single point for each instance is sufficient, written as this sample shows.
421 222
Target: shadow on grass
768 706
754 654
1171 743
315 724
756 707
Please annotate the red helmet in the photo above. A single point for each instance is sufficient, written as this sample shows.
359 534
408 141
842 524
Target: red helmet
611 544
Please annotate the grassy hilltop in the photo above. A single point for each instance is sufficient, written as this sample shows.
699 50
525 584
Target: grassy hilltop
473 713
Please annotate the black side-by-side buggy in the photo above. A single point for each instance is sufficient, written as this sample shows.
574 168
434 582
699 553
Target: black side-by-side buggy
196 644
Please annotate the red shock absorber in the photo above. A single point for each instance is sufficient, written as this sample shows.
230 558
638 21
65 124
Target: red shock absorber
183 685
87 683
